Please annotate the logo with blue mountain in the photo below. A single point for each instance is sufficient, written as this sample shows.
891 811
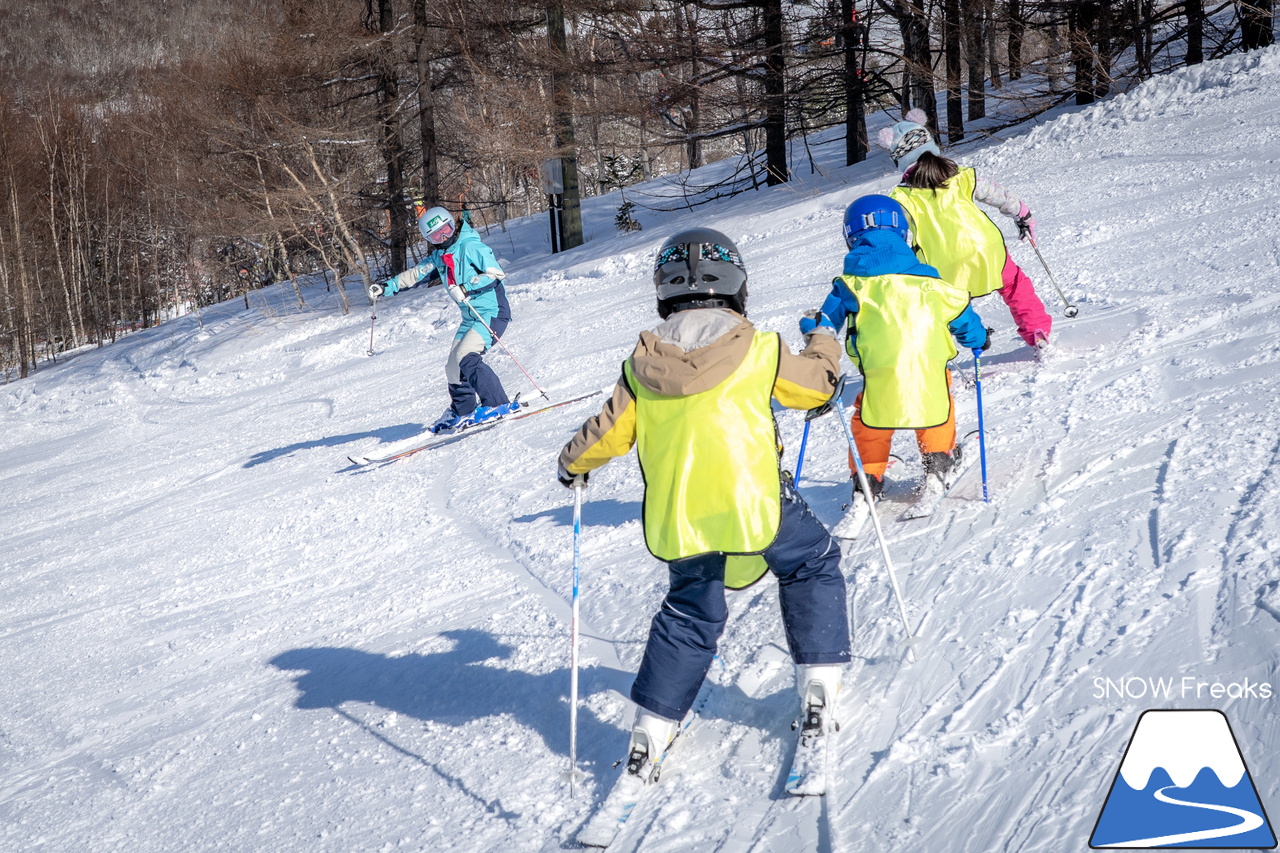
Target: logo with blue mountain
1183 783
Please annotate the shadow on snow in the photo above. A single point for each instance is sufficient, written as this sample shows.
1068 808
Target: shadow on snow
384 435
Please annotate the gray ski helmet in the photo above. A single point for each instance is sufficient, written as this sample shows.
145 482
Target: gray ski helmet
699 268
436 225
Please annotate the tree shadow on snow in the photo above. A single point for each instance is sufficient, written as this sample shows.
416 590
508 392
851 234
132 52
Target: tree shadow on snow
460 686
384 435
604 513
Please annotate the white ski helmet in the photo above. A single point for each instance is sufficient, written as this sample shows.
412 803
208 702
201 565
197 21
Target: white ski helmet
437 226
699 268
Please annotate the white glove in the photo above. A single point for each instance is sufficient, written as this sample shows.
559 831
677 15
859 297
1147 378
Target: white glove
457 294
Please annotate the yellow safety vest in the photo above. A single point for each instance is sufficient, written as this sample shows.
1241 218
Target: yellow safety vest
954 236
904 346
710 466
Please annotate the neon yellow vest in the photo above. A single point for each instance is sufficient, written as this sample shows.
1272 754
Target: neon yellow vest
904 346
954 236
710 465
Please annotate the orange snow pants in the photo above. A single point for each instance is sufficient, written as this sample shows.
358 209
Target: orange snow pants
874 444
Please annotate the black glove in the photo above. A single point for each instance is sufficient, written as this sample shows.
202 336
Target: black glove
1026 224
572 481
986 344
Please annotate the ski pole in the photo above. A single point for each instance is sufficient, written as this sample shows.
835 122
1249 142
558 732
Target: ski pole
373 316
467 302
875 520
982 434
1070 310
574 775
804 439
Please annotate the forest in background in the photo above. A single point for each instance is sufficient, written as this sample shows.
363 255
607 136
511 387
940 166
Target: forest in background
159 157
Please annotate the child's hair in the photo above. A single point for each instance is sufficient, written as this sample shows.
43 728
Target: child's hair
931 172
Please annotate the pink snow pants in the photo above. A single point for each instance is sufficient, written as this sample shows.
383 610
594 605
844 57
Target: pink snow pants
1025 306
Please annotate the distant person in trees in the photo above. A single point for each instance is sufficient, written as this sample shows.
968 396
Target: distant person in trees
695 400
900 316
461 261
952 233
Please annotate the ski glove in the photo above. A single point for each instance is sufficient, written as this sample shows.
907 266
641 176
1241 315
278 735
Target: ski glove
812 319
457 294
571 481
1026 224
375 290
986 344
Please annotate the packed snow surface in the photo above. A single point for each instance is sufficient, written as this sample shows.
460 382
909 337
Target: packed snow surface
220 635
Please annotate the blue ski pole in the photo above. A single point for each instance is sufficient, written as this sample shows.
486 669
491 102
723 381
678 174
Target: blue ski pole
982 435
804 439
574 775
875 519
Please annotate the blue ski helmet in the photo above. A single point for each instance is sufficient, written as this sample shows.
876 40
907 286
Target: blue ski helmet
436 226
699 268
874 211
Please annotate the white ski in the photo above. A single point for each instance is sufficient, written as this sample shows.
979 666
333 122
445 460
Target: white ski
627 792
858 510
855 518
808 776
935 488
430 440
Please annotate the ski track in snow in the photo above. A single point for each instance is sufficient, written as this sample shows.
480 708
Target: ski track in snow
220 636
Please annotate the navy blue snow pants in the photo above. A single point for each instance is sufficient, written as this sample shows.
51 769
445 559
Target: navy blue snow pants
686 630
478 378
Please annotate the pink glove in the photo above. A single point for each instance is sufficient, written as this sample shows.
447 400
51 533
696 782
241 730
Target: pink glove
1026 224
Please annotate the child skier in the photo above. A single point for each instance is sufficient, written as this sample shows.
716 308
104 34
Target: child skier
694 398
460 260
900 317
952 233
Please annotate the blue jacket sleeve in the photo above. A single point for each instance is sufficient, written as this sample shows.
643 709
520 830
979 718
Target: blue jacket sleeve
968 329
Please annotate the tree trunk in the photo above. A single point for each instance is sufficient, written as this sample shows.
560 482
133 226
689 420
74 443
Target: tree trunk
975 38
775 95
1016 28
951 49
1256 21
693 145
426 108
562 96
392 147
1195 31
1142 37
1080 21
993 55
914 24
1102 51
855 121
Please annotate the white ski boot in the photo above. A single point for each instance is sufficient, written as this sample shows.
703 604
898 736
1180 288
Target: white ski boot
819 685
651 735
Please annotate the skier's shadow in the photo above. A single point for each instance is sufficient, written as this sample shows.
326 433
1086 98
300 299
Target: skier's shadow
602 513
384 435
456 687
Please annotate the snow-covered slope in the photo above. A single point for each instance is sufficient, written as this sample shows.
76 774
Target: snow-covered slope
218 635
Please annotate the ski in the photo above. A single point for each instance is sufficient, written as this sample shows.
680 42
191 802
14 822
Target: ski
433 440
808 776
855 517
858 510
627 792
935 489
